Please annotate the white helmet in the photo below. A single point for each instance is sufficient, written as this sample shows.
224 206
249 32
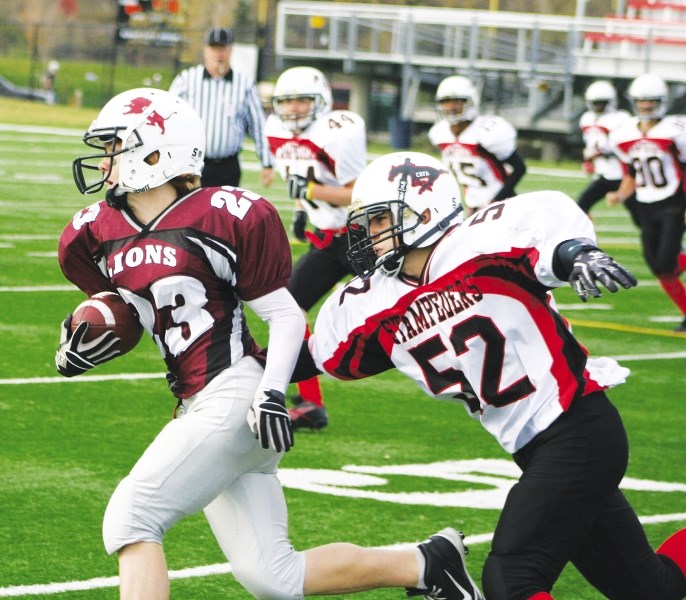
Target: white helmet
458 88
423 198
649 87
302 82
145 120
601 91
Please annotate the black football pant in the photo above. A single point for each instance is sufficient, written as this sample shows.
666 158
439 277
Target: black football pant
598 189
662 230
318 271
567 507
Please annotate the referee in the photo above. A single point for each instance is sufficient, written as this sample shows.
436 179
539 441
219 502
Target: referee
229 106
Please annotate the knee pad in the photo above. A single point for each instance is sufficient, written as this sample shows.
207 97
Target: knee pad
284 579
125 523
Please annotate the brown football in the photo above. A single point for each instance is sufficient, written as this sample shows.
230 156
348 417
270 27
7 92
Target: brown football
107 311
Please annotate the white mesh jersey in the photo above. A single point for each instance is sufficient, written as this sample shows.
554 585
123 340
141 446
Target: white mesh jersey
595 130
476 156
479 327
657 157
332 151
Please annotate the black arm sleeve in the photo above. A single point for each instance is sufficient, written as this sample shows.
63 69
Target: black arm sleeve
516 161
305 367
563 257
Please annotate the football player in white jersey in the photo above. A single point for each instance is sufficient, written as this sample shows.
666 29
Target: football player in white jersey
462 308
319 152
652 146
188 258
595 124
480 149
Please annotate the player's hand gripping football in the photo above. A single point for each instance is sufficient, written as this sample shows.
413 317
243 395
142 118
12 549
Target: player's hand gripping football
591 266
75 356
270 422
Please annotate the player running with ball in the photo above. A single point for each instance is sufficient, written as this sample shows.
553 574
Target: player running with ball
188 259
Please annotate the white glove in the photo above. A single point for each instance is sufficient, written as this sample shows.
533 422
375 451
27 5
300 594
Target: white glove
269 420
74 356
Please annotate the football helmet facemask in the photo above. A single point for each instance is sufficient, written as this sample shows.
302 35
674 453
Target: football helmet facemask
422 199
457 87
649 87
142 120
601 91
302 82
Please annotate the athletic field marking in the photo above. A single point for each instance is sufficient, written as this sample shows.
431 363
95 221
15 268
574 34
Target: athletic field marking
225 568
625 328
142 376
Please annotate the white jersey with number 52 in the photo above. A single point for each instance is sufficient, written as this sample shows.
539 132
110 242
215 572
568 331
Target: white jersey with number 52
479 327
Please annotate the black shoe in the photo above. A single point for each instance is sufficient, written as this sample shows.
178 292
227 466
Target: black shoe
681 328
308 415
445 574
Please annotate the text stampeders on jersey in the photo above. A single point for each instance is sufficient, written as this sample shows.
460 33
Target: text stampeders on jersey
480 327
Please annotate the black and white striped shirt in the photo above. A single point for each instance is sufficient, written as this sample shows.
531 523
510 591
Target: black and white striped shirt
229 107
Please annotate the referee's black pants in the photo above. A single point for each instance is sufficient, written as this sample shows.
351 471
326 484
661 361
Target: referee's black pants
567 507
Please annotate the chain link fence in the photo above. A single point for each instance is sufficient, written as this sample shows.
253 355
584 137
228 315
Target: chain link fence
86 63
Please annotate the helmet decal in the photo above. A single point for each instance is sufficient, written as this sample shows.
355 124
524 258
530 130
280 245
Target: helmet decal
138 106
421 177
133 125
415 198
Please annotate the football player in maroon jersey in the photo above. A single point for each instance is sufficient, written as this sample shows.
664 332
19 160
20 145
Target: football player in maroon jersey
188 259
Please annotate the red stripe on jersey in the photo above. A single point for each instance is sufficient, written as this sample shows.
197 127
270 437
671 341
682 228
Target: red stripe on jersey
300 149
509 274
600 128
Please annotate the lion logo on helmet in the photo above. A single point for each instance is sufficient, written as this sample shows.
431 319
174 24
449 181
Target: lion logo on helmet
139 105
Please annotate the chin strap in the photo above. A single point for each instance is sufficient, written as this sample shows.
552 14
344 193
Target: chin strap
116 198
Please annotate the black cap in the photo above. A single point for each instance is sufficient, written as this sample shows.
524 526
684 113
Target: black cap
219 36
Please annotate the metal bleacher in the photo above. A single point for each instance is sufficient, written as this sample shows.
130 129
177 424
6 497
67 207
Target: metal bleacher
532 68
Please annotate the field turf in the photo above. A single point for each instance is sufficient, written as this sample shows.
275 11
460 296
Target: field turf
388 470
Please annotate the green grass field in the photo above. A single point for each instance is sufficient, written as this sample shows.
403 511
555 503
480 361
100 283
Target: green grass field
66 443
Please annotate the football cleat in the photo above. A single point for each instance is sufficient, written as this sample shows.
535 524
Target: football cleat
445 574
307 415
681 328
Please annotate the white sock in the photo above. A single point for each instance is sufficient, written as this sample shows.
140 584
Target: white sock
421 564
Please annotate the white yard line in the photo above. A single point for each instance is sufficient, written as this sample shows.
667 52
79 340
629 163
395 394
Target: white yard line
224 568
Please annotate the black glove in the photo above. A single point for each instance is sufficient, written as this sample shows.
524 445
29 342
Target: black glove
591 266
297 187
269 420
299 224
75 356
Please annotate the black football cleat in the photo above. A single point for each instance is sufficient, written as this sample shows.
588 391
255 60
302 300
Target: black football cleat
681 328
307 415
445 574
